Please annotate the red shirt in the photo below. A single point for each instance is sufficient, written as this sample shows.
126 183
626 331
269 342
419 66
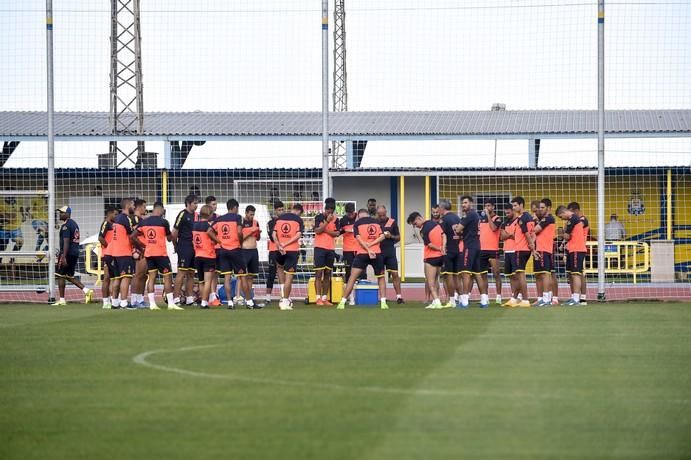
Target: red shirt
524 226
575 228
121 244
270 244
545 239
136 222
250 228
287 227
203 245
155 231
226 227
106 233
432 233
349 242
510 228
369 230
489 239
586 227
324 240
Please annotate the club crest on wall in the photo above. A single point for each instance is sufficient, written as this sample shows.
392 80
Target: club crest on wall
636 207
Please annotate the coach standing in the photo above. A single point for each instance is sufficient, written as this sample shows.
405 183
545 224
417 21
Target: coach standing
68 257
182 239
392 235
452 259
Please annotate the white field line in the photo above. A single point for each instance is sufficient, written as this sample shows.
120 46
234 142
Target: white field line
142 359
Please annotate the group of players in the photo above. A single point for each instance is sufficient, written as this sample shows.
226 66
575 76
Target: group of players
135 252
461 249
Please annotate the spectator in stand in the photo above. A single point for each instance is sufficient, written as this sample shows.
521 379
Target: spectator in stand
614 230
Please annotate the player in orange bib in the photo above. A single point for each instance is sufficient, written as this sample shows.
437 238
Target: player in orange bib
273 252
139 280
545 230
575 235
507 235
213 298
524 240
287 233
434 239
576 209
250 236
326 230
350 244
490 230
369 236
204 253
226 231
122 247
156 230
105 237
392 235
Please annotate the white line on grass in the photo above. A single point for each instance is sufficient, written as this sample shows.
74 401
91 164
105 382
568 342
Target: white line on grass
142 359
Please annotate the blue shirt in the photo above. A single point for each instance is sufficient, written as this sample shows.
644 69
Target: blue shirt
471 230
452 238
70 230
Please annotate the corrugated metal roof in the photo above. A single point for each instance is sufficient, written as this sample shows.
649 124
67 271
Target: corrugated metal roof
361 125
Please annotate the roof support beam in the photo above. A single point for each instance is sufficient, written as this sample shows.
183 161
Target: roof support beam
533 152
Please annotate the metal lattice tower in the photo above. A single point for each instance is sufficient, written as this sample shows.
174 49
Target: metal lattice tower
126 101
340 79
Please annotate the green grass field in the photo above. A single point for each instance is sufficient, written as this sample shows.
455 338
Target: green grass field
599 381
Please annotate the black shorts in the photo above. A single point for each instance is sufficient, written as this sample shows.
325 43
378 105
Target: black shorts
521 260
348 257
575 262
361 262
231 261
289 261
185 256
108 266
124 266
272 258
204 265
509 263
435 261
324 259
69 268
545 264
160 264
390 261
452 263
251 258
484 260
470 261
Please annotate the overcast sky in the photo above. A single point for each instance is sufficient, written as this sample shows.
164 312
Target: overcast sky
227 55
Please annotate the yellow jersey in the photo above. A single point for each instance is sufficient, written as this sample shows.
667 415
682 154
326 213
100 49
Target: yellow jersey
11 215
39 208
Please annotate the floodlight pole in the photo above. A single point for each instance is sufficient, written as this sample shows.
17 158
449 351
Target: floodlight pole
50 109
339 98
326 185
601 150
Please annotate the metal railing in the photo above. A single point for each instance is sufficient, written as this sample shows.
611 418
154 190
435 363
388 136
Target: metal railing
91 251
621 257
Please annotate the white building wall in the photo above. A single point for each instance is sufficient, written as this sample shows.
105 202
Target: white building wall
360 189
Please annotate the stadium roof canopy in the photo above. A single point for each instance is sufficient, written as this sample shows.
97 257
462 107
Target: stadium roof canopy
173 126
